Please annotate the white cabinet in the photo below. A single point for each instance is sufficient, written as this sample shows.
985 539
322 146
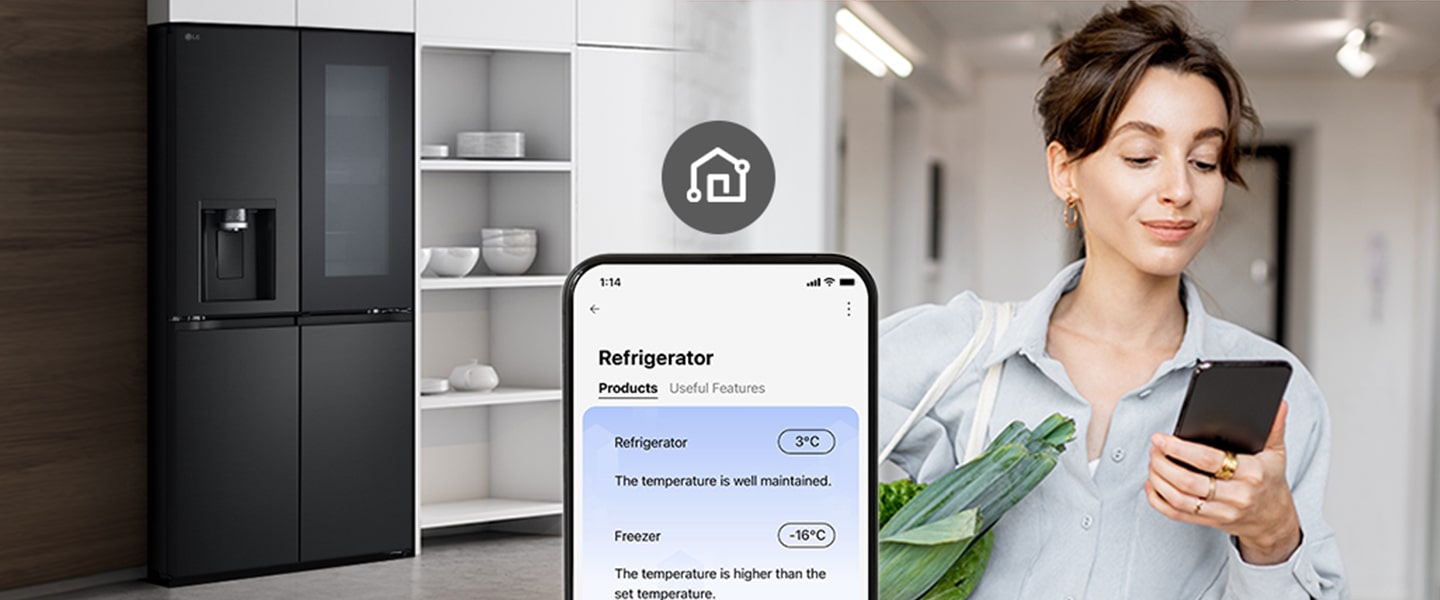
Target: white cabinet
495 455
625 117
368 15
371 15
498 23
647 23
249 12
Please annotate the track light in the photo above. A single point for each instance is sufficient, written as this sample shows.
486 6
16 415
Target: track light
1355 56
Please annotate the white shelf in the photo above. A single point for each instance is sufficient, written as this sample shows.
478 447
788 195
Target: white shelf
490 281
462 165
484 510
437 43
499 395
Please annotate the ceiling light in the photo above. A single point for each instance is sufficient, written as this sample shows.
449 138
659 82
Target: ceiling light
876 46
859 54
1355 56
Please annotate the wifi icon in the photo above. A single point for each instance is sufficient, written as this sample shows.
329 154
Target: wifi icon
829 281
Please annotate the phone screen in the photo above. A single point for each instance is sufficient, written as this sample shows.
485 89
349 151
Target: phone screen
718 425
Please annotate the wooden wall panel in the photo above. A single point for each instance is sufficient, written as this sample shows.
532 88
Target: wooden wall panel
72 288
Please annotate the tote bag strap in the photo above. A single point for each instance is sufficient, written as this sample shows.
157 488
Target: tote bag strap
948 376
980 425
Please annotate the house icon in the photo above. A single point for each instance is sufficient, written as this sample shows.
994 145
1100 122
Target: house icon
721 178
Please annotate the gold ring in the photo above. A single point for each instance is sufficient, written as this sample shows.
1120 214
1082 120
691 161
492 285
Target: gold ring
1211 495
1227 470
1198 505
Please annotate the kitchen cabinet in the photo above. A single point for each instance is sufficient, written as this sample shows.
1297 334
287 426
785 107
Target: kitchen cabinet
643 23
371 15
624 134
498 23
368 15
279 13
494 456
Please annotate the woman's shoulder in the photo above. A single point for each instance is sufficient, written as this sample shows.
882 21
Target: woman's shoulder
960 315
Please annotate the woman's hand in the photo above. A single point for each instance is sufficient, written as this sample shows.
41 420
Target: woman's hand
1254 506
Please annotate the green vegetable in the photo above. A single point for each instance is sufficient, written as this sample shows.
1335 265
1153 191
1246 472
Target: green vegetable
1013 465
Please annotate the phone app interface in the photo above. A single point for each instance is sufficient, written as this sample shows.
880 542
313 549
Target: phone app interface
720 419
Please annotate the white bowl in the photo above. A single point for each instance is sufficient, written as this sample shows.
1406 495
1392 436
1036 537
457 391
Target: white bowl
507 238
509 260
424 261
454 262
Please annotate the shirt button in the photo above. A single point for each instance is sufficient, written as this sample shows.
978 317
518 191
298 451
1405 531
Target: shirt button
1145 392
1118 454
1086 522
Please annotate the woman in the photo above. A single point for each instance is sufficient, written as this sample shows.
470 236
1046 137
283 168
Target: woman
1143 123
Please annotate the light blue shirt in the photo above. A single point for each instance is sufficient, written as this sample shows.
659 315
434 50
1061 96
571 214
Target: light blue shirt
1098 538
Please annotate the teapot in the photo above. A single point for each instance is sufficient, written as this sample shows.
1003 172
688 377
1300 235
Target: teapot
474 377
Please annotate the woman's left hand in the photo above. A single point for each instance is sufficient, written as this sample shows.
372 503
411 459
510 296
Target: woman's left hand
1255 505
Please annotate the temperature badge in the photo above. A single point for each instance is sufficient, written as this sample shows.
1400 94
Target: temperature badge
806 535
806 441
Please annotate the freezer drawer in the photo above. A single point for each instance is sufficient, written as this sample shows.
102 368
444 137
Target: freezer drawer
233 435
357 455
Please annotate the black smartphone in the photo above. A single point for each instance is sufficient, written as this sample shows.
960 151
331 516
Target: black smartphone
1231 404
719 426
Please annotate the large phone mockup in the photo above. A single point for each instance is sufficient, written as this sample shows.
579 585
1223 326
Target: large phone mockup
719 427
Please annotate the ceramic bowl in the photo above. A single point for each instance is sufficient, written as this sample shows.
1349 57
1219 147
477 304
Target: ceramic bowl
515 237
424 260
509 261
474 377
455 261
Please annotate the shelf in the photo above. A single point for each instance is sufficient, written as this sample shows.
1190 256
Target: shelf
500 395
442 44
490 281
460 165
484 510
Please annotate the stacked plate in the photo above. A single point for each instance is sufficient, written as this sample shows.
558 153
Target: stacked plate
490 144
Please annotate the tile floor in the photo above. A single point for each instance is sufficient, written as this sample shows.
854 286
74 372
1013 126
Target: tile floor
481 566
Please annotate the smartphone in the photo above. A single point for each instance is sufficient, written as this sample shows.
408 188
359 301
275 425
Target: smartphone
720 439
1231 404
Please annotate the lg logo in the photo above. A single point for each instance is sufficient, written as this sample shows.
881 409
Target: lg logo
192 37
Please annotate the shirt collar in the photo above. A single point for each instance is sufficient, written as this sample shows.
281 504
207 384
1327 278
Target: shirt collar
1028 330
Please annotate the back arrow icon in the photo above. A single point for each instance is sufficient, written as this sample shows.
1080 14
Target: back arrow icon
594 309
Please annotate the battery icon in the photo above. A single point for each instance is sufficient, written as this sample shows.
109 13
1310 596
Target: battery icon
844 281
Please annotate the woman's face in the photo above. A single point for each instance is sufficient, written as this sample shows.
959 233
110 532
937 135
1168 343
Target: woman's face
1151 194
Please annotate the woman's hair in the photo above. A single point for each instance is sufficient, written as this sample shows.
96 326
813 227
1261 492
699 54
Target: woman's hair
1099 66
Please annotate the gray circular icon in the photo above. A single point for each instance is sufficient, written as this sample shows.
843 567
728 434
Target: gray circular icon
718 177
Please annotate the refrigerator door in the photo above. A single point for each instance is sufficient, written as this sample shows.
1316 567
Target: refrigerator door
357 449
232 467
358 170
229 144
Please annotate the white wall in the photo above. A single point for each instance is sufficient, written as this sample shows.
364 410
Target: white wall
1371 160
1021 232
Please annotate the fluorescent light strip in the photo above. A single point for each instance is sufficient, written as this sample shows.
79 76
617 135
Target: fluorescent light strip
856 52
851 24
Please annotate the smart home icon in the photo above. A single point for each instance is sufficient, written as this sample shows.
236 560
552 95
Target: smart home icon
718 177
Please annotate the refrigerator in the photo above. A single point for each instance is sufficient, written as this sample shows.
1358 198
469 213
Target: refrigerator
282 299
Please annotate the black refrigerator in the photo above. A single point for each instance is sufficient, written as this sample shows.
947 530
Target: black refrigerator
282 299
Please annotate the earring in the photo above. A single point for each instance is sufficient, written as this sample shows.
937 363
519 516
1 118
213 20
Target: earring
1071 211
